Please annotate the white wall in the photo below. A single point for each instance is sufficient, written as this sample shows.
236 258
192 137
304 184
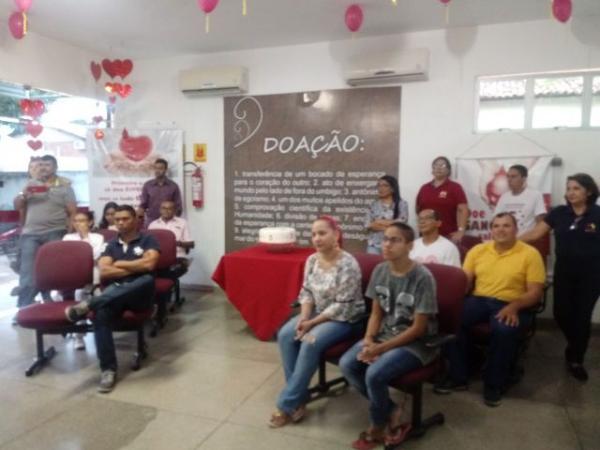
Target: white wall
436 116
46 64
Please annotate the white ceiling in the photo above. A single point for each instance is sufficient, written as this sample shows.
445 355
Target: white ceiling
153 28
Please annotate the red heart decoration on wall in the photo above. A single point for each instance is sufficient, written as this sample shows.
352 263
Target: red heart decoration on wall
125 90
135 148
126 67
96 70
34 129
108 67
35 145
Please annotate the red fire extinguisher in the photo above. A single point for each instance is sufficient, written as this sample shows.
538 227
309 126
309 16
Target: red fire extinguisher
197 188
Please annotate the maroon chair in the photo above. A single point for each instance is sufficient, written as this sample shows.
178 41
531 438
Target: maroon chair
164 286
332 355
109 235
60 265
467 243
451 285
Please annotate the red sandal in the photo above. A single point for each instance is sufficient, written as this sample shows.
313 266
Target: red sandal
366 441
398 435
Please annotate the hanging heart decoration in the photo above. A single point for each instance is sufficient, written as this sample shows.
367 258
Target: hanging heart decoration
34 129
32 108
35 145
107 65
96 70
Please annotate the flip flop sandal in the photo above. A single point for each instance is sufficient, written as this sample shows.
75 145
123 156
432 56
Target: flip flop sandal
279 419
298 414
366 442
398 435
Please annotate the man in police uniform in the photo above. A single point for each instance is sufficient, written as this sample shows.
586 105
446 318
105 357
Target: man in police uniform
127 266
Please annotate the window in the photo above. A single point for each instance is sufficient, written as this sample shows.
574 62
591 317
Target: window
539 101
65 123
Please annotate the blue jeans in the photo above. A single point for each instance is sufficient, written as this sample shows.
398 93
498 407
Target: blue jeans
503 347
136 295
372 380
301 358
29 245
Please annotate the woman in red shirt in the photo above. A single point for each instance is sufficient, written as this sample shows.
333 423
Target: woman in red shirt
447 198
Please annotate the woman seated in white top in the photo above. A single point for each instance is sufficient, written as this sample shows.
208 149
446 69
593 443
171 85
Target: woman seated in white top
331 308
83 223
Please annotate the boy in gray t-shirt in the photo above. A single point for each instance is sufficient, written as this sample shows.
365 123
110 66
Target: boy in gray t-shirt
403 317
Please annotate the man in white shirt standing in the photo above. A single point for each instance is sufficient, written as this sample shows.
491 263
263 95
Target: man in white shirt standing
431 247
179 227
525 204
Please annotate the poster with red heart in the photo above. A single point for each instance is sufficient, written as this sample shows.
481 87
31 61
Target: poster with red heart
122 160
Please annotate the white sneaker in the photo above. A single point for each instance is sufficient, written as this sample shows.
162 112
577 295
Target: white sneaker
108 378
79 342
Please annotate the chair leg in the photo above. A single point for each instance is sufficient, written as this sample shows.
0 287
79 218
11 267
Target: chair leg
322 388
419 426
43 356
142 350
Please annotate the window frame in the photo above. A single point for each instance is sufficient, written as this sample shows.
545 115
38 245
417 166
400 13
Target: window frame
529 99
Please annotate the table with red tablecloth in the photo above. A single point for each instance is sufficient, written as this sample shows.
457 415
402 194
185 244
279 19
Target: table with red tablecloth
262 285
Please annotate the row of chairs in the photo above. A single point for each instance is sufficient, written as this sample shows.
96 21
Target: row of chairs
452 284
67 266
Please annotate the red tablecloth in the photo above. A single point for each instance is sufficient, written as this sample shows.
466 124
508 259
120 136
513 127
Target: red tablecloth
262 285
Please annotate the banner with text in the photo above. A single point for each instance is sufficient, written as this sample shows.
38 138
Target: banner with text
292 157
121 161
484 181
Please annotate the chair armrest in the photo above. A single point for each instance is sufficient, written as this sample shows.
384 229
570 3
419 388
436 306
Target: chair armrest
440 340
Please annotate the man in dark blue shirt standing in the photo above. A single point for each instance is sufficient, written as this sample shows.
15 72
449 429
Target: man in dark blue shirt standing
126 266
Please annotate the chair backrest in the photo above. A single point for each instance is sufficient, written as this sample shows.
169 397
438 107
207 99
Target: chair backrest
543 246
466 244
367 262
64 265
109 235
451 287
168 247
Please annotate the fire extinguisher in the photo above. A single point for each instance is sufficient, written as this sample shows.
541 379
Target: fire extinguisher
197 188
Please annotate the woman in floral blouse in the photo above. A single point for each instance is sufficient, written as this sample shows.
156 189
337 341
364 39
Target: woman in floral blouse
331 308
388 208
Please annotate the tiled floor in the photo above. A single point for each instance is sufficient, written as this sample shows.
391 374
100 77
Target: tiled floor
209 384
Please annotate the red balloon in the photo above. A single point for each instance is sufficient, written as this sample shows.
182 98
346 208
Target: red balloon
207 5
17 24
562 9
354 17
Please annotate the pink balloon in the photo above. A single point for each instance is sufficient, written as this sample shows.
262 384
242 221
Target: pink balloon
562 10
16 25
208 5
354 17
23 5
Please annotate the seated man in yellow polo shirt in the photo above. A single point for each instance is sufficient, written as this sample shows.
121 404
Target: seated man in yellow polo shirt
506 277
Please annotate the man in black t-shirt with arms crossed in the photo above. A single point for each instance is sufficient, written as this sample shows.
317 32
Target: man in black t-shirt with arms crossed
126 266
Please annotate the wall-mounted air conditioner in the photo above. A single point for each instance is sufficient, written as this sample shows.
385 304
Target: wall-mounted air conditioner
214 80
385 68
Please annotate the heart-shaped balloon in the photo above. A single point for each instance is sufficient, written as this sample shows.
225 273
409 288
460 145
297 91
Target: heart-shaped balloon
108 67
23 5
35 145
96 70
126 67
125 90
37 108
135 148
34 129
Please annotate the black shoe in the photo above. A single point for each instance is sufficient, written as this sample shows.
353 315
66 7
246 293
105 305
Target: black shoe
492 397
77 312
448 386
577 371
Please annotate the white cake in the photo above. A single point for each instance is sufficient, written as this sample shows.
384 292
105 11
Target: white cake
277 235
